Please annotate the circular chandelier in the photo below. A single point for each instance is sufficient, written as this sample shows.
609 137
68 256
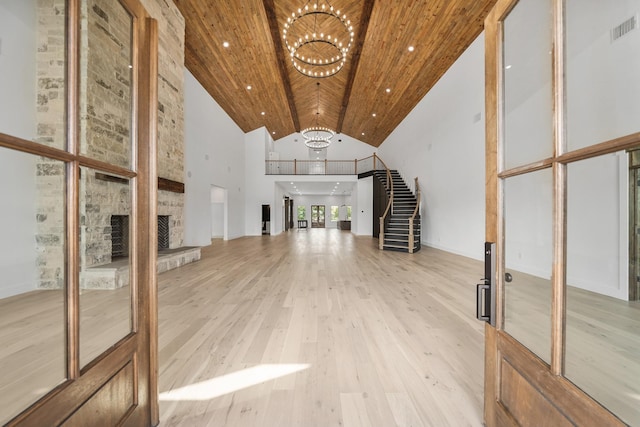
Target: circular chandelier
318 38
317 137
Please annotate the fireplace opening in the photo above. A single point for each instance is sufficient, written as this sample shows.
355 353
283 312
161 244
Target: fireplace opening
163 232
120 235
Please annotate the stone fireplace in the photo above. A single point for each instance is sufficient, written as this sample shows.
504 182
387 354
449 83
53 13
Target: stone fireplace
105 134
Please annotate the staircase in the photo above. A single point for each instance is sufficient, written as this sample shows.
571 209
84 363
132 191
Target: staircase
395 231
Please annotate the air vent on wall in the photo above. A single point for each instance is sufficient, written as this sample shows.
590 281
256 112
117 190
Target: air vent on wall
625 28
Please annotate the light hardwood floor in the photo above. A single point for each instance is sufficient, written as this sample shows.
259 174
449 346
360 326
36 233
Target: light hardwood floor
332 331
320 328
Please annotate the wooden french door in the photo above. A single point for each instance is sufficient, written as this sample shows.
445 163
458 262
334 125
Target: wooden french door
85 352
317 216
557 141
288 213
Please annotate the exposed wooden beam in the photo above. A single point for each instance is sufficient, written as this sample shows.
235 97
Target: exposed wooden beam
367 7
270 10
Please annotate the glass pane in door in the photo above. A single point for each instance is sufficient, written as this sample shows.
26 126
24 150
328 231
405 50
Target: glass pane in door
528 106
106 227
602 327
33 67
602 68
528 251
33 280
106 82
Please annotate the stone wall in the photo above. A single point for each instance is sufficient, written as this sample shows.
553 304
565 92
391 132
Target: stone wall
51 130
170 110
105 124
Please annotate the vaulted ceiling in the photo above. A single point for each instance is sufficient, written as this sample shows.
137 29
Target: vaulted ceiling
381 82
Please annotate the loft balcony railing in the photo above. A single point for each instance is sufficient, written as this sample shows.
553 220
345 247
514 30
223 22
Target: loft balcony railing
323 167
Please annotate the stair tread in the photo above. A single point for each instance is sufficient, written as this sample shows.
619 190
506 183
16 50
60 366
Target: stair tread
396 233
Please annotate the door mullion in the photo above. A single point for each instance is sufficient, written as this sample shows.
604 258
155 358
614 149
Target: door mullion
73 188
558 274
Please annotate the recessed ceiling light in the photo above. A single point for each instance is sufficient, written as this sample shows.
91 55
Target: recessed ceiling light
263 113
507 67
388 89
225 44
411 48
249 87
274 132
374 114
362 133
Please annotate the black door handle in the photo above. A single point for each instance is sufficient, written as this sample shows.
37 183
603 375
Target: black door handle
483 308
486 292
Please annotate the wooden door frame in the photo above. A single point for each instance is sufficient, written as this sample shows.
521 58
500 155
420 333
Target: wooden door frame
634 214
77 399
541 388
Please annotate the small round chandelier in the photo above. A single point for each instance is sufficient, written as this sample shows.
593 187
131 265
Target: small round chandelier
318 38
317 136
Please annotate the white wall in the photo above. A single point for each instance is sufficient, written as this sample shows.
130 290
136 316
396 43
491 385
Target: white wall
218 212
17 171
597 225
442 143
18 68
214 155
260 188
18 222
602 79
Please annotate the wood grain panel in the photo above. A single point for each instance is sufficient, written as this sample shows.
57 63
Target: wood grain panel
523 402
568 400
110 405
440 30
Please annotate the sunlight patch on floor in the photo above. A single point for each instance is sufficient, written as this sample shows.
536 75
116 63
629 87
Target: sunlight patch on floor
229 383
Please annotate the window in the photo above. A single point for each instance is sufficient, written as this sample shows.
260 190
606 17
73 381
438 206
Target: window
348 213
335 213
302 212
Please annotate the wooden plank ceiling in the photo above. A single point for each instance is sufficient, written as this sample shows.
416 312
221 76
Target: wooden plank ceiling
286 101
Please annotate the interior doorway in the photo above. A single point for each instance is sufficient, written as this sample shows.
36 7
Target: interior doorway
288 213
317 216
266 219
219 224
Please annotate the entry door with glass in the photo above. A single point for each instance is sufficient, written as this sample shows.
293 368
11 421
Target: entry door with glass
562 101
317 216
77 177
